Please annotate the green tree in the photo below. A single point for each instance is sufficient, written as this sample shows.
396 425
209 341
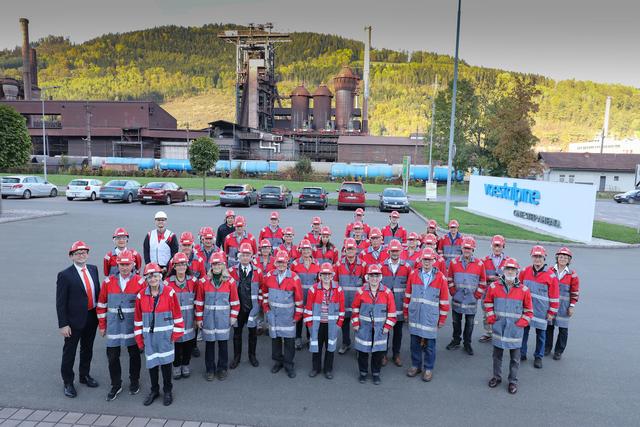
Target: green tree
203 155
15 143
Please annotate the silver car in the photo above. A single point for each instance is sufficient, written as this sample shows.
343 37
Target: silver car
27 186
394 199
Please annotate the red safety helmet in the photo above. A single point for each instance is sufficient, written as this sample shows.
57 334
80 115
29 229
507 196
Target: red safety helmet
468 243
375 232
359 211
511 263
374 269
538 250
246 248
120 232
413 236
395 245
430 239
78 246
274 215
325 230
229 213
239 221
326 268
186 238
394 214
350 243
217 258
305 244
152 268
565 251
358 224
316 220
498 240
282 256
454 223
180 258
207 233
265 243
124 257
428 253
432 223
288 230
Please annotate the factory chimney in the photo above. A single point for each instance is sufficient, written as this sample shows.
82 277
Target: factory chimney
26 58
34 67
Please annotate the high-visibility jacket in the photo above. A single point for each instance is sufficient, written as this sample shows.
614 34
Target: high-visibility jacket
349 230
371 315
266 265
205 255
232 245
158 325
275 237
196 266
545 292
292 250
335 314
467 282
314 239
388 234
396 282
350 277
308 276
411 259
492 271
160 249
110 264
569 285
368 257
216 306
511 308
450 247
322 254
282 303
249 294
187 296
115 309
426 305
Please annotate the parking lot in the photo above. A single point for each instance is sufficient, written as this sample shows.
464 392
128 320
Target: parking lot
596 383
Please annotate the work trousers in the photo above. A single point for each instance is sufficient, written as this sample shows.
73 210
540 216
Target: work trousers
210 356
154 374
283 350
183 352
323 343
457 327
115 370
514 363
561 342
423 353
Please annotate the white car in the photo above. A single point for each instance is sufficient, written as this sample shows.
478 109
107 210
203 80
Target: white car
27 186
84 189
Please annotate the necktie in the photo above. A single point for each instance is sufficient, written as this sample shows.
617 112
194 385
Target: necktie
87 288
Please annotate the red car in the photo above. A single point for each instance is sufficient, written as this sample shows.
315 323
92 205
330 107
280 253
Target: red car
162 192
351 194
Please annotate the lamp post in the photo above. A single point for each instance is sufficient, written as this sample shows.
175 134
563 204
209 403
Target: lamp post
433 125
45 152
453 118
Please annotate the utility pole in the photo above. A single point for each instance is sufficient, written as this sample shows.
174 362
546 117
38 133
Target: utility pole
433 125
88 138
452 124
605 127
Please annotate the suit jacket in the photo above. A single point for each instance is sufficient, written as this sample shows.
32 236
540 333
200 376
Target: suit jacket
71 296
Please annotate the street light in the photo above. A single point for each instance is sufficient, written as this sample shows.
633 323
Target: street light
453 118
44 132
433 118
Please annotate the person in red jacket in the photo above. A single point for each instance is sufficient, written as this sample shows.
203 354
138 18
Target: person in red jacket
358 216
196 263
359 237
509 310
307 269
467 282
158 324
115 308
569 284
324 316
543 284
394 230
217 308
450 245
185 285
432 228
375 253
350 271
374 314
493 264
431 241
313 236
265 258
288 246
120 240
325 250
233 241
411 255
272 232
207 246
425 307
282 306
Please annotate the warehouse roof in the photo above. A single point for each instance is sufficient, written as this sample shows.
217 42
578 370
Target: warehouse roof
590 161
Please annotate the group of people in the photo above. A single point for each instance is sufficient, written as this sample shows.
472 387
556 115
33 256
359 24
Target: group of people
376 282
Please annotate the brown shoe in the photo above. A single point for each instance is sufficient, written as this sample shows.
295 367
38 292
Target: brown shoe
385 360
397 361
427 375
413 371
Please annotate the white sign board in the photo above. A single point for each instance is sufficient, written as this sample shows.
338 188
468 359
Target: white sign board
431 190
556 208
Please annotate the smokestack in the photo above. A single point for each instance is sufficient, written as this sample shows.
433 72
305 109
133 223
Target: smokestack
34 67
365 101
606 116
26 59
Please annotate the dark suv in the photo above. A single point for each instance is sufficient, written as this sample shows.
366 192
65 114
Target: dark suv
275 195
314 197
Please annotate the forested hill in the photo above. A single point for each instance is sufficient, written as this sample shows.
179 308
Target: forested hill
190 71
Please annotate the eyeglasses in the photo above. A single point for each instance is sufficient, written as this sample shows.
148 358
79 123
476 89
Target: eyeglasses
161 219
81 252
375 274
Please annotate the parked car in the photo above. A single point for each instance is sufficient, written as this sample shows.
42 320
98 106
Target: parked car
120 190
632 196
351 194
27 186
315 197
393 199
238 194
84 189
162 192
275 195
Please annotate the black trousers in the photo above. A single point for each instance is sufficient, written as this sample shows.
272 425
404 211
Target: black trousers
299 325
514 363
561 342
376 362
346 331
210 356
154 374
84 337
283 350
323 343
243 316
457 327
396 342
115 370
183 352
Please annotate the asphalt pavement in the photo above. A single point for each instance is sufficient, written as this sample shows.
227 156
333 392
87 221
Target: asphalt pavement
596 382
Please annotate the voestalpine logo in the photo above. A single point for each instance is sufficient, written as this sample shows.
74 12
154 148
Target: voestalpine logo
514 193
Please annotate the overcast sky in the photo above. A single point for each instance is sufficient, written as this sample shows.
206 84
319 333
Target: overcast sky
581 39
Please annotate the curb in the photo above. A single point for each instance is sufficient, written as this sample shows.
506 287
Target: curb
575 244
24 215
213 204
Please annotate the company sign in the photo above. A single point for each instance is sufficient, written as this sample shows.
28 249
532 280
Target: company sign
561 209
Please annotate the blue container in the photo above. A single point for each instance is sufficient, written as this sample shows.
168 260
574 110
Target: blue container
223 166
378 169
358 171
439 173
175 165
339 170
255 167
419 172
146 163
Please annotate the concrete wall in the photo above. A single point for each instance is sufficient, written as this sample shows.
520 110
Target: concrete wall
615 181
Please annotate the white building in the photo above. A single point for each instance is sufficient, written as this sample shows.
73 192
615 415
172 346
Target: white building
613 146
608 172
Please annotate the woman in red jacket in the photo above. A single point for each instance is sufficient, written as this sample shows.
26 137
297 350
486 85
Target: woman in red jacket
157 324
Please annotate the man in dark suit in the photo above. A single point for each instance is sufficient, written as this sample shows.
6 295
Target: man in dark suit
77 290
